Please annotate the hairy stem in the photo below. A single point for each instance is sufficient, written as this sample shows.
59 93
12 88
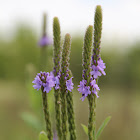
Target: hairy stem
70 112
47 115
91 119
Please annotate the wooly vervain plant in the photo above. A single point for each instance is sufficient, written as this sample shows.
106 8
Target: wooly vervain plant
60 79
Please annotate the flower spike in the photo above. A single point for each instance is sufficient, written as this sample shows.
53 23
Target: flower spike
56 72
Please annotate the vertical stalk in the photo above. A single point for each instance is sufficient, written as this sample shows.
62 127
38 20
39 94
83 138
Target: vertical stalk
70 112
57 59
94 117
96 54
43 49
44 33
91 117
64 117
87 49
58 114
46 114
63 88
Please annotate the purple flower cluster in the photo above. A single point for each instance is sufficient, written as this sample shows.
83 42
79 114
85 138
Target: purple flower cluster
99 69
48 81
92 87
45 80
87 90
84 89
45 41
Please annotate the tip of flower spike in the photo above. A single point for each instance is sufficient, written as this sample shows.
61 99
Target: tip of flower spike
98 18
90 27
55 18
67 37
56 21
98 7
87 46
89 31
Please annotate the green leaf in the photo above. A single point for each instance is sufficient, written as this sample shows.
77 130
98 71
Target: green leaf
43 136
31 120
85 128
105 122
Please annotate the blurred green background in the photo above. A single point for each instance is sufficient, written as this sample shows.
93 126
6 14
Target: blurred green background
119 95
21 113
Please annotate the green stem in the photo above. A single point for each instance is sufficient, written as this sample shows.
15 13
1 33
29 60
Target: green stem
71 120
91 118
64 116
44 24
63 88
94 118
43 58
70 112
58 113
46 114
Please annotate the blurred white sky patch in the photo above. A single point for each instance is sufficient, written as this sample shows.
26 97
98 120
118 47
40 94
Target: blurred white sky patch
121 18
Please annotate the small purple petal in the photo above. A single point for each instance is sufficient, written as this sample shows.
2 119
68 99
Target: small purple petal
69 84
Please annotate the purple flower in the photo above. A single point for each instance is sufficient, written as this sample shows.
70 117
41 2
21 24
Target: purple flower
69 84
83 98
95 92
99 69
95 72
101 66
82 86
44 41
85 90
94 87
48 84
44 79
57 83
56 80
38 83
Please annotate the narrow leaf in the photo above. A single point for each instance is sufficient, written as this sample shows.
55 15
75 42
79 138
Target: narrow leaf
85 128
43 136
31 120
105 122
